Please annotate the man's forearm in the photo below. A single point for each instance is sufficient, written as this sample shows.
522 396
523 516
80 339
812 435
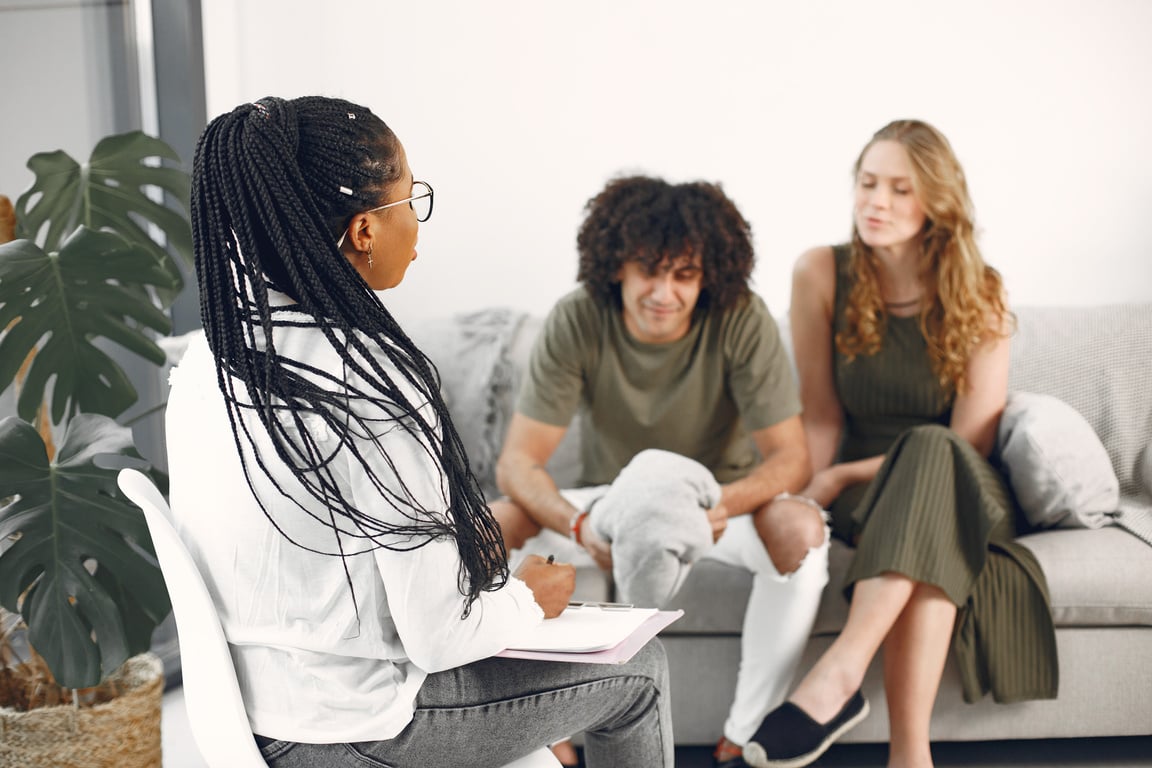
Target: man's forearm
533 489
787 472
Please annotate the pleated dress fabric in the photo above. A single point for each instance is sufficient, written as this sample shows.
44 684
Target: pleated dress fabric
939 513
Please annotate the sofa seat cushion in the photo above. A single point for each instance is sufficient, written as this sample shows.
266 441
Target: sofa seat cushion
1095 578
713 597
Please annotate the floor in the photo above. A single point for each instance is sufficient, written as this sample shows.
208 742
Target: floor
1066 753
180 750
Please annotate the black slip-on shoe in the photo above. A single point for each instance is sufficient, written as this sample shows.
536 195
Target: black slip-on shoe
789 738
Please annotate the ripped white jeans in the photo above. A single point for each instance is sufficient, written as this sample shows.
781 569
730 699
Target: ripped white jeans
777 621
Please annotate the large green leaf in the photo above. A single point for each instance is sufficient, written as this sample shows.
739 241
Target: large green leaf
68 518
61 305
110 192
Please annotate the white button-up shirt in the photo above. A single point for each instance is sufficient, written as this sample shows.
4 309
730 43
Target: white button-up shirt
313 666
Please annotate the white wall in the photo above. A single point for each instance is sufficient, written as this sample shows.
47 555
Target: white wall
518 111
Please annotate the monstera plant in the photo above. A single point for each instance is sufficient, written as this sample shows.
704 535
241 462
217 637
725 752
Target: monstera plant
87 279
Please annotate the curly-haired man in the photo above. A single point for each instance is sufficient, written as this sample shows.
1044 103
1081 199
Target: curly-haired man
665 346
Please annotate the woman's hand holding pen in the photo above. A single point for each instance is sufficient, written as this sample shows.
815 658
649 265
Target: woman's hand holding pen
551 583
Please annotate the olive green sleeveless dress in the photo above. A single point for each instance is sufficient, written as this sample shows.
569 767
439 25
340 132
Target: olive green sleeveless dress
938 512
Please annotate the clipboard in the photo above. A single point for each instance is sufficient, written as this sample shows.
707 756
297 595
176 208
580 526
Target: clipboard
605 640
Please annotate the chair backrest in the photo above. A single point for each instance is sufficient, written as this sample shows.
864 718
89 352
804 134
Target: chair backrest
211 694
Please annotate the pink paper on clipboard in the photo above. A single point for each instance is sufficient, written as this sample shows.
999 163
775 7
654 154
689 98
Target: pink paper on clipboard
622 651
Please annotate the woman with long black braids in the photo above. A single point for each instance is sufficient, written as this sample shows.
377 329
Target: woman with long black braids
324 493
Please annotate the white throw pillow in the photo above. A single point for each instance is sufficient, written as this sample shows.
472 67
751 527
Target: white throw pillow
1056 464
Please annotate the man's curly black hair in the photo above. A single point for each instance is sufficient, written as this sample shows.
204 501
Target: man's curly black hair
647 220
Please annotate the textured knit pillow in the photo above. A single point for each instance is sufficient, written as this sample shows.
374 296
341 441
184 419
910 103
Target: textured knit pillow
1056 464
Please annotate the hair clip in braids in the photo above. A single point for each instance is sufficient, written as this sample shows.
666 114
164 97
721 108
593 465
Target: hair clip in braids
351 115
345 190
263 109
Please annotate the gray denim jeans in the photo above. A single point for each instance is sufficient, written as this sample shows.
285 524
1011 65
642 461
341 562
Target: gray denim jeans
493 711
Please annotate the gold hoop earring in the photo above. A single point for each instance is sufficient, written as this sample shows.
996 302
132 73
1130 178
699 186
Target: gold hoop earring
369 255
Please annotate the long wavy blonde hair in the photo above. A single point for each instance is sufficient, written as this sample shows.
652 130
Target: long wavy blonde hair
964 301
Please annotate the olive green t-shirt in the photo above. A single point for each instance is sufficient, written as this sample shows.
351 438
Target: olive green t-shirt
699 396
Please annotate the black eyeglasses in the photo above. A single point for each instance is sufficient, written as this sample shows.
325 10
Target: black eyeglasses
420 201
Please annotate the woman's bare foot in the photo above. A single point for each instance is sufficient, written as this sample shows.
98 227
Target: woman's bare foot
824 691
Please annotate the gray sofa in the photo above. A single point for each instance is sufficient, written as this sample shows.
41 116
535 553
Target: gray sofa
1096 359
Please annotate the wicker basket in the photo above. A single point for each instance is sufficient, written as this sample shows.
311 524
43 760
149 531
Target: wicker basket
121 733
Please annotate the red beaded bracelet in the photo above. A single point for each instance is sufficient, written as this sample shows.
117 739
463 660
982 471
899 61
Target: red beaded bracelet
574 526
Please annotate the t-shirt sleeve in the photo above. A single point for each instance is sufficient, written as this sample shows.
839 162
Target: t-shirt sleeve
556 374
759 371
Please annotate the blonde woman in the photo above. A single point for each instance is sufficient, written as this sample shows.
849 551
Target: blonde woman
901 342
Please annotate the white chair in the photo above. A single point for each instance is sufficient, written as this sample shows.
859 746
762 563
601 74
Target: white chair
211 694
541 758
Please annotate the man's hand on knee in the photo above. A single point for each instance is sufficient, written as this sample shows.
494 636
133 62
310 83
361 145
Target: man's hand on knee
598 547
718 519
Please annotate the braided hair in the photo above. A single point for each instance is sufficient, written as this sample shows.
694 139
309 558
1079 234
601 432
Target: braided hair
274 185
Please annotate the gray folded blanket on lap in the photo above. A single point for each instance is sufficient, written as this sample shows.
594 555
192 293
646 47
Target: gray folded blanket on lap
654 515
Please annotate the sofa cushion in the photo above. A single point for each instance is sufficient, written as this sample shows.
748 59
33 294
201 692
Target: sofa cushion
1095 578
1095 359
713 597
1057 467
